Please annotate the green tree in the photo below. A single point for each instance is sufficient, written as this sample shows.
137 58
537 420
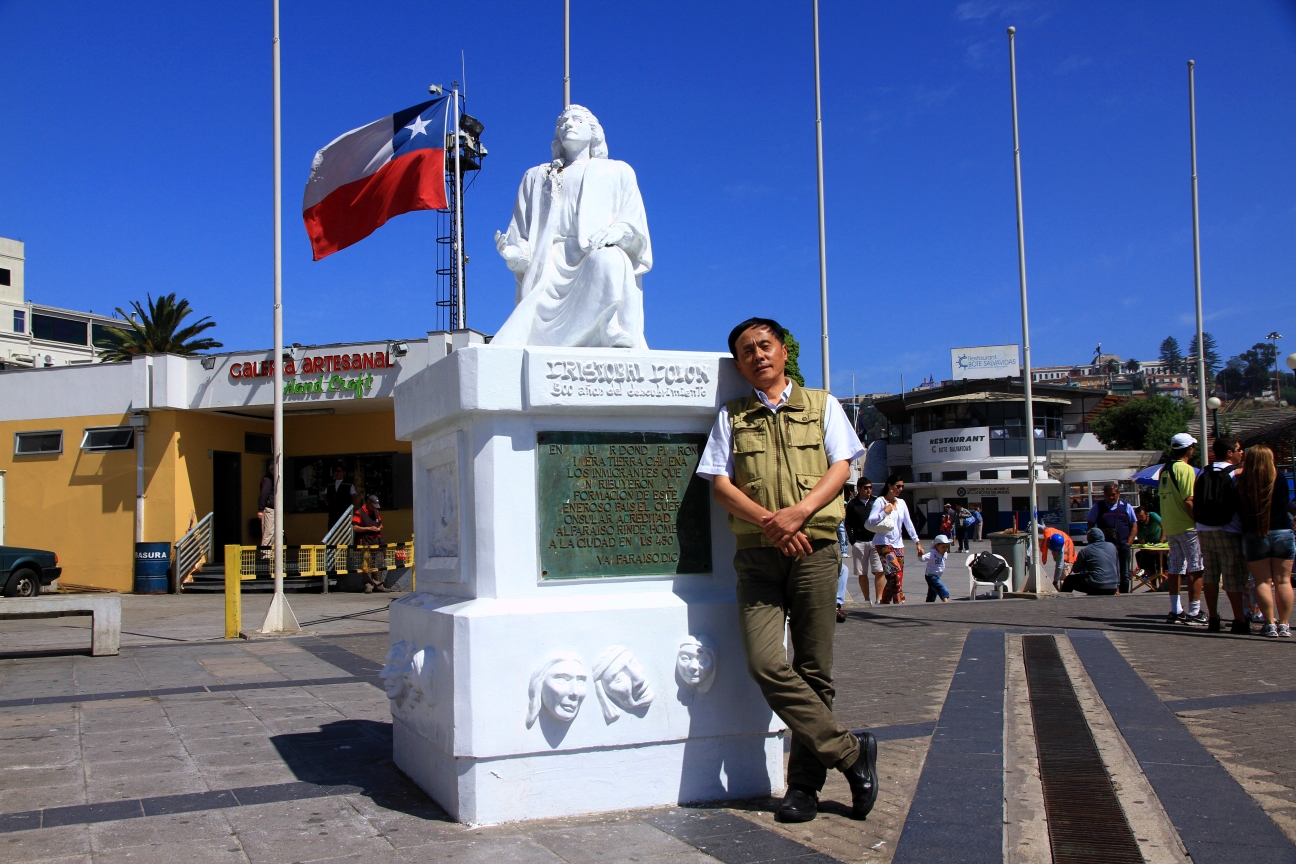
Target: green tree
1210 357
1142 424
1259 366
793 369
1132 365
1171 355
156 331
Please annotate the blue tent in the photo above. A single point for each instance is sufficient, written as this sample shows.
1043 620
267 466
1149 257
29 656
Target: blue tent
1151 475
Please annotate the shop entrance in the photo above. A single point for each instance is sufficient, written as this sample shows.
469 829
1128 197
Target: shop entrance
227 501
990 513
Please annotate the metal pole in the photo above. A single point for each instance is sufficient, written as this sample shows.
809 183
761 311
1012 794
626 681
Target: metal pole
279 618
2 507
459 266
1026 356
139 484
566 53
1201 349
823 241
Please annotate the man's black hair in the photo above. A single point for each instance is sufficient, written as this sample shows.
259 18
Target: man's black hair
774 327
1220 447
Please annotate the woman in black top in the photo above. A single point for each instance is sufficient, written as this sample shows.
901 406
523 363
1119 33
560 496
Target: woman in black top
1267 538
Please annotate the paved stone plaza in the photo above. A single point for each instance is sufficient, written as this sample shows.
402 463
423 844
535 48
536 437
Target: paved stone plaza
187 747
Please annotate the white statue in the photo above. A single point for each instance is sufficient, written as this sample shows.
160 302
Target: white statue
579 246
696 663
559 686
407 674
621 683
393 677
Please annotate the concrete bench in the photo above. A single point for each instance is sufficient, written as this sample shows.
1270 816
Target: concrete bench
103 609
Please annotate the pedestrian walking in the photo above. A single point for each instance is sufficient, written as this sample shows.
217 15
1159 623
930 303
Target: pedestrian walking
1267 539
978 522
1119 525
784 505
265 509
935 558
1219 528
947 521
844 577
962 525
889 521
1175 491
864 559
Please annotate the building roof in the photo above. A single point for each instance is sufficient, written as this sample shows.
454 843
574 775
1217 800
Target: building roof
1062 462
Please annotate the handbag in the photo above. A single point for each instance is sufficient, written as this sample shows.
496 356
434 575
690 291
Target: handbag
885 523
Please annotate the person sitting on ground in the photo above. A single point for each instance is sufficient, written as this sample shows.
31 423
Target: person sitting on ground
935 559
1096 569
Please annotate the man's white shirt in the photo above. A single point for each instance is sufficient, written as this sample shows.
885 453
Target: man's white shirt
840 441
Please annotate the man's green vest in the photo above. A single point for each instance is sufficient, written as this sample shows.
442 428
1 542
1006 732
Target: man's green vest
778 459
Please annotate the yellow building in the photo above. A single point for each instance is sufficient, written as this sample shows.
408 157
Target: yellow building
107 454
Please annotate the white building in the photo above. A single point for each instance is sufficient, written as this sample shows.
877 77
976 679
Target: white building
35 335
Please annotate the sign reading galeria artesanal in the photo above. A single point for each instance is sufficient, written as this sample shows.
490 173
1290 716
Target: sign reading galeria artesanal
951 445
606 377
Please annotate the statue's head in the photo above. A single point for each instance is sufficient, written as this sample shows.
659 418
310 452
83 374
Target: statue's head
696 663
598 141
558 686
621 683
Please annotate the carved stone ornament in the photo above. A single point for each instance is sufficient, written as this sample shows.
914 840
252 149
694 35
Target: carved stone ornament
695 663
621 683
558 686
408 674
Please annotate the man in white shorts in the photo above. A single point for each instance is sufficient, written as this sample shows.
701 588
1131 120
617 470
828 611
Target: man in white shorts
864 558
1176 493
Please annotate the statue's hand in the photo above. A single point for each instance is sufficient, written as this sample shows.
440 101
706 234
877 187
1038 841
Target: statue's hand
614 235
511 254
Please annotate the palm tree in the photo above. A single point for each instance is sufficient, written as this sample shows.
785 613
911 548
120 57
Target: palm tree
1113 367
156 331
1132 365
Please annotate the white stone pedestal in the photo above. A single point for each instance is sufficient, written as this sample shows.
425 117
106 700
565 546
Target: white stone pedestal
472 650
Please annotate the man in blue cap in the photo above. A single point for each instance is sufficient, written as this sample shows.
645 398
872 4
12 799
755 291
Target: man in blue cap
1097 567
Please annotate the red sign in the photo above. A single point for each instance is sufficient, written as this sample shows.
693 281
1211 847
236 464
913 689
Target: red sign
315 365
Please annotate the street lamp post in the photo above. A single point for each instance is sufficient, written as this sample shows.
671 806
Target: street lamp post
1274 337
1214 404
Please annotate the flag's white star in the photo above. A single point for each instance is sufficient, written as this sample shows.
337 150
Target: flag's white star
417 127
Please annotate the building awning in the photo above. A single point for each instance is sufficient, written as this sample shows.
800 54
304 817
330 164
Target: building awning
991 397
1062 462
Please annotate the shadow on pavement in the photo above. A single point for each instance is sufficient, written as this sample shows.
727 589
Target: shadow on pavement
356 754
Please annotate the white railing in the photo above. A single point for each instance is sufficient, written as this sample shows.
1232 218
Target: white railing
341 534
193 550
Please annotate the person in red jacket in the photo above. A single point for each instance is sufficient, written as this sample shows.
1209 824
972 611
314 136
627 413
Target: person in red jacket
366 523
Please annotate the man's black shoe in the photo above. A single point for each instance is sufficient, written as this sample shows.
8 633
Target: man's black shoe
798 805
1214 625
1240 626
862 777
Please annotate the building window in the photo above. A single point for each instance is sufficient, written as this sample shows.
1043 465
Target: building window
37 443
103 438
5 276
953 475
1021 474
1021 503
924 477
102 337
390 476
54 329
20 321
989 475
254 442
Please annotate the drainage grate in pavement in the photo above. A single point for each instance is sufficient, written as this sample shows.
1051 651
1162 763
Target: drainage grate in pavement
1085 819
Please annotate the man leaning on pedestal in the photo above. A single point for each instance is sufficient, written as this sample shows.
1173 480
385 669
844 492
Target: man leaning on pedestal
778 459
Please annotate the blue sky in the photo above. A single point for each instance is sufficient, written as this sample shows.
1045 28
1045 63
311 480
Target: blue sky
136 159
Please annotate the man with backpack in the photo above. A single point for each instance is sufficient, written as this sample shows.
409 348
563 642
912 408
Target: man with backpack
1116 519
1219 528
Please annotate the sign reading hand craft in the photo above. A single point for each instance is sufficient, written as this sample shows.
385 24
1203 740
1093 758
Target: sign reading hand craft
329 368
951 445
985 361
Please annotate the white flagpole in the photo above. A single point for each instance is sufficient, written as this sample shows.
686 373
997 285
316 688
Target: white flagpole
566 53
462 299
823 241
279 618
1201 348
1026 356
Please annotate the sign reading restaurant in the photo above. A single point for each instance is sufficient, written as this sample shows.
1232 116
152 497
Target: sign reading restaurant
951 445
984 361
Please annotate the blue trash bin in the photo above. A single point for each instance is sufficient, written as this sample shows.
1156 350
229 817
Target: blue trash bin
152 568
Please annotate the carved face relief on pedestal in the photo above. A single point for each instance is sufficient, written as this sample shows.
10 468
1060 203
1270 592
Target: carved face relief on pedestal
393 672
419 676
621 683
559 686
696 663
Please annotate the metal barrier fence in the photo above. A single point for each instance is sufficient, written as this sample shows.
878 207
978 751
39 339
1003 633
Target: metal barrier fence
243 563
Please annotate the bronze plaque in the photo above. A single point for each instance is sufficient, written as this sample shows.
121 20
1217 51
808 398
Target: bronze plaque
621 504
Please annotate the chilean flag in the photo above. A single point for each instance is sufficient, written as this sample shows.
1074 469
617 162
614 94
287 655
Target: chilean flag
367 176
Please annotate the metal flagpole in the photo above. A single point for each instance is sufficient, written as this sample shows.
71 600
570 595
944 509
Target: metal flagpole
1026 356
823 241
279 618
459 268
566 53
1201 348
